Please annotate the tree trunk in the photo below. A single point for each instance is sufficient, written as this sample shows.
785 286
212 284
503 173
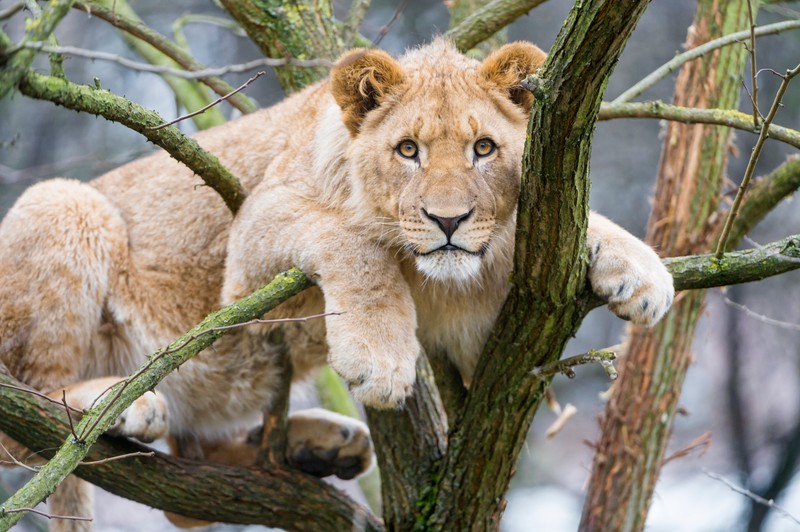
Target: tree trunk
636 425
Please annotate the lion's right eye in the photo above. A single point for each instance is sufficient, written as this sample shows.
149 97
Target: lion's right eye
407 149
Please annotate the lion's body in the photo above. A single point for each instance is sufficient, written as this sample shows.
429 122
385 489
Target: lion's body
97 276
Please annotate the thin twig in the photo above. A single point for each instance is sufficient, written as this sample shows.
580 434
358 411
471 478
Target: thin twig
747 493
703 441
120 457
69 416
160 69
14 459
761 317
604 358
751 164
753 69
388 26
672 65
37 394
3 512
209 106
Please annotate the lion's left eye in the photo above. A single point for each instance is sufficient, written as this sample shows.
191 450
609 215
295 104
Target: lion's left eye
484 147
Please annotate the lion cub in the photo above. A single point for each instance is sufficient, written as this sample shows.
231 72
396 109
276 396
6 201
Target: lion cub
393 185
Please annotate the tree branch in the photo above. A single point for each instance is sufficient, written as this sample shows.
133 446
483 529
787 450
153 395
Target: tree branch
290 29
675 63
280 497
751 163
706 271
689 115
118 109
37 29
488 20
160 364
547 300
106 10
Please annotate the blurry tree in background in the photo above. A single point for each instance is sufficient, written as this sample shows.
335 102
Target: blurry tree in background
447 459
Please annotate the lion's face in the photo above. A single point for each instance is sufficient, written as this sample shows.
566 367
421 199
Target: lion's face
438 154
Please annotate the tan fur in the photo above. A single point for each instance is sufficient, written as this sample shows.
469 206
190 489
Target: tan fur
98 276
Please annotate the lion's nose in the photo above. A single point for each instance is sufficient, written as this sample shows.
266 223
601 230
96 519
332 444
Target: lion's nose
448 224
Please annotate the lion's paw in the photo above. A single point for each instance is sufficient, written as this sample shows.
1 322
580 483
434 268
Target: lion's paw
323 443
628 274
145 419
381 373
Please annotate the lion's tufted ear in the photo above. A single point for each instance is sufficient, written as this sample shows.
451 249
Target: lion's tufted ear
509 65
359 82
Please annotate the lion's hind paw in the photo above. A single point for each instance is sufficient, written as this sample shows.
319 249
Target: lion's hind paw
323 443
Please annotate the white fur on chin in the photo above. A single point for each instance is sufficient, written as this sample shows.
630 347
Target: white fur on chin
458 267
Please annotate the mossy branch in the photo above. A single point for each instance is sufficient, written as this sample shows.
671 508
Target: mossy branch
706 271
159 365
488 20
689 115
115 108
130 24
36 29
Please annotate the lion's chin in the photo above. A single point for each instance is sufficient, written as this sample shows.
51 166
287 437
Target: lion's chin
457 267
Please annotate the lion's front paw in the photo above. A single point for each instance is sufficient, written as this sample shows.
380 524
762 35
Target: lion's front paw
379 366
145 419
379 381
629 275
324 443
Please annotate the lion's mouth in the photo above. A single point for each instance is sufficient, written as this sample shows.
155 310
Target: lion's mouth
452 248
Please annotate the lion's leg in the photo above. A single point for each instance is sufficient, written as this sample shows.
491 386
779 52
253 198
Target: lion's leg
60 247
319 442
371 329
627 273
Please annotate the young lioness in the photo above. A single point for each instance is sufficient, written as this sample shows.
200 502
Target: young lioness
393 185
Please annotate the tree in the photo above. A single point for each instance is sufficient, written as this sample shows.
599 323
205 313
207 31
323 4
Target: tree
426 450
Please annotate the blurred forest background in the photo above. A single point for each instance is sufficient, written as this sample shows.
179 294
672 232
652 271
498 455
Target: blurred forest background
744 386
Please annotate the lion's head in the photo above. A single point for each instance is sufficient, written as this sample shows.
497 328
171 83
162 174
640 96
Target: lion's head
436 144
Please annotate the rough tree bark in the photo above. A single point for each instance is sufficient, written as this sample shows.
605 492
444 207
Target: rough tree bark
637 420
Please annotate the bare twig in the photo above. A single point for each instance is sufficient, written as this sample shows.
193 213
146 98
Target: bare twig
3 512
604 358
747 493
38 394
753 69
14 459
703 441
69 416
751 164
388 26
561 421
209 106
120 457
761 317
675 63
160 69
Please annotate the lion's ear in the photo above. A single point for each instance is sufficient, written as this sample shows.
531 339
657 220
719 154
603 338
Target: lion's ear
509 65
360 80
